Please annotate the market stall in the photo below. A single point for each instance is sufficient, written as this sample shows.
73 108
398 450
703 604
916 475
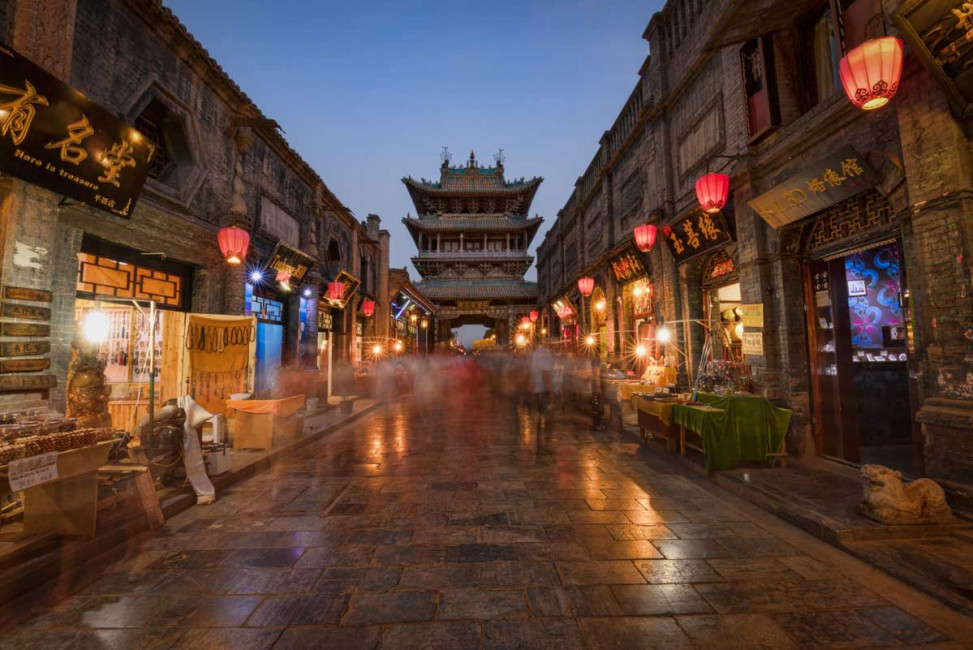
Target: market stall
258 423
732 428
54 465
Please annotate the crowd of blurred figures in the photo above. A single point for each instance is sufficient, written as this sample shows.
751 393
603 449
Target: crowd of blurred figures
540 377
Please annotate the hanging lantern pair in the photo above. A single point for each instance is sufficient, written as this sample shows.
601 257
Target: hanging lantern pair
233 241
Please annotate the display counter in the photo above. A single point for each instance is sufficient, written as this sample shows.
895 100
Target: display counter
257 422
731 429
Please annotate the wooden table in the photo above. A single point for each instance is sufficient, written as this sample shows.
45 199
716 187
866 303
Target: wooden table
255 422
655 417
68 505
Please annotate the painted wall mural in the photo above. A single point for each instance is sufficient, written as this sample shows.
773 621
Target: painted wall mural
874 275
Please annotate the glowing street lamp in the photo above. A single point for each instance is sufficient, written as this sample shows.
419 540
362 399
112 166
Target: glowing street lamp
640 351
376 350
397 346
663 334
589 340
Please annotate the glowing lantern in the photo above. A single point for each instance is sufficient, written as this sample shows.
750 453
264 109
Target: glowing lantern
870 72
534 316
367 306
336 290
645 237
586 285
711 192
284 280
234 242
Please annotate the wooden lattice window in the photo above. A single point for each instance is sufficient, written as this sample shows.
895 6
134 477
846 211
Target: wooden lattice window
149 124
102 276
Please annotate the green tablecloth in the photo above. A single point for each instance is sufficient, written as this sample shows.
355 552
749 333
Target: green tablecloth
746 428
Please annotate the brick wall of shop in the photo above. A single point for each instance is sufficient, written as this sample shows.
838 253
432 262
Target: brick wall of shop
923 160
153 59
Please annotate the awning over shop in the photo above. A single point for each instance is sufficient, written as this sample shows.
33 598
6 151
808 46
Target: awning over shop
748 19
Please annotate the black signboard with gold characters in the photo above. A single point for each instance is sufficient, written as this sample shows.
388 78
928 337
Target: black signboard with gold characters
696 233
827 181
53 136
941 32
289 260
627 265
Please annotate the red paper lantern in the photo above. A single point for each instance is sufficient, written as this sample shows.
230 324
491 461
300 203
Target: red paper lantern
711 192
586 285
525 321
336 290
367 306
534 316
645 237
870 72
234 242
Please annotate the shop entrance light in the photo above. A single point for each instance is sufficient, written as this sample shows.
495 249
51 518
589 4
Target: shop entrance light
870 72
234 242
586 285
336 290
712 191
645 237
95 326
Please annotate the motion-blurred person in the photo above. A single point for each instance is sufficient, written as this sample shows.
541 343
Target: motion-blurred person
541 372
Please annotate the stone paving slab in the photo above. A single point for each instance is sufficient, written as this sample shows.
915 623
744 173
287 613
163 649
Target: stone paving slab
467 528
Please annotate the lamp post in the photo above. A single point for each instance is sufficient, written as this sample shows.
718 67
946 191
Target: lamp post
585 285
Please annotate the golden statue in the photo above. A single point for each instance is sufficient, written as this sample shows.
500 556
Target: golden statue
87 390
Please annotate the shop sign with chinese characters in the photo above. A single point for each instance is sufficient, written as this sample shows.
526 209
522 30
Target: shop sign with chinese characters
53 136
697 233
286 259
753 344
753 315
627 265
828 181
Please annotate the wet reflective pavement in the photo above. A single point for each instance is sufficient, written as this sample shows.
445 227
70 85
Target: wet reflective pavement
479 523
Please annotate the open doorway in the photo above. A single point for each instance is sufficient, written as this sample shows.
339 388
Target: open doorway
860 327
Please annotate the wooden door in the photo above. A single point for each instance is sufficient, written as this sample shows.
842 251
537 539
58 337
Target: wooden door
833 394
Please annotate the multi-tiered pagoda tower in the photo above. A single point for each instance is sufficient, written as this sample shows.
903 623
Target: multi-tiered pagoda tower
473 233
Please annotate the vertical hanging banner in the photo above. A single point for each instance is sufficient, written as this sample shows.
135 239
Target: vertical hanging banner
53 136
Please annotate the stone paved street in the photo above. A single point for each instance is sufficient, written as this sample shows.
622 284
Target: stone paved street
481 525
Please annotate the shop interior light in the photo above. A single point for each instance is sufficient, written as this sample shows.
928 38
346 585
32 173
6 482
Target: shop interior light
586 285
711 192
640 350
544 331
413 317
234 242
376 350
645 237
600 305
589 340
95 326
520 339
870 72
663 334
739 330
424 323
637 291
397 346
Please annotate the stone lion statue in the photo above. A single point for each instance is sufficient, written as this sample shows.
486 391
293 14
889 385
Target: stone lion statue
888 500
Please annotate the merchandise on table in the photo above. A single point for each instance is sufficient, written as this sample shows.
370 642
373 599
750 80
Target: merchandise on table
39 433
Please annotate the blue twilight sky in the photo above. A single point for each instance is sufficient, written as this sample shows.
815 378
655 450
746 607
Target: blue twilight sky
369 92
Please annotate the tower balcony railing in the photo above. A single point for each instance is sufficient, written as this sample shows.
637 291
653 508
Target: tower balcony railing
480 253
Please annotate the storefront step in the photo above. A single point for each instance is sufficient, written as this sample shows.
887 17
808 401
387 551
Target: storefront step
36 571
